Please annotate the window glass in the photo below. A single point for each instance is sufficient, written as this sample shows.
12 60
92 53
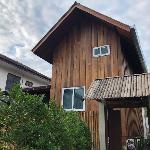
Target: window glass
11 80
97 51
78 98
104 50
67 98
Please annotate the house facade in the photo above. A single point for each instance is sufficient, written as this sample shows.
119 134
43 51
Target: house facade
14 72
85 45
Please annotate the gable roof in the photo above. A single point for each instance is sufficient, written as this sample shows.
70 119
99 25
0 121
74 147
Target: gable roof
22 67
44 47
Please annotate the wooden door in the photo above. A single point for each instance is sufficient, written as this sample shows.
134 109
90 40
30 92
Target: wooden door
114 129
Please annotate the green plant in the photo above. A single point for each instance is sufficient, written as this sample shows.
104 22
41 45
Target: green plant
29 124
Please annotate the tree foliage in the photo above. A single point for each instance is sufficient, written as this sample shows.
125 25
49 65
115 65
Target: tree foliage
29 124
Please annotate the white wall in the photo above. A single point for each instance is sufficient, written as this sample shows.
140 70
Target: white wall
3 78
25 76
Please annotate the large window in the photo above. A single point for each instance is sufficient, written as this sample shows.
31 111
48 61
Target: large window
73 98
11 80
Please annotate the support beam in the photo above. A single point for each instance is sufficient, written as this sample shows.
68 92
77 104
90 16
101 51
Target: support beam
102 126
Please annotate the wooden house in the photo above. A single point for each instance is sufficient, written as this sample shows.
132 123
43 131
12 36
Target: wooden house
85 45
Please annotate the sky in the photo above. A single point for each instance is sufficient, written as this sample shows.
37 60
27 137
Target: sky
24 22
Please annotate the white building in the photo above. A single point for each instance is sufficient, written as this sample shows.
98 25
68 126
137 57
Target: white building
14 72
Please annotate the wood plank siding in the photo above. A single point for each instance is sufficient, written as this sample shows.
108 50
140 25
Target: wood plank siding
92 120
74 65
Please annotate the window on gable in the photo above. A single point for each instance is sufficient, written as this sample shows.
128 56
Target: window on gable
105 50
72 98
101 51
96 51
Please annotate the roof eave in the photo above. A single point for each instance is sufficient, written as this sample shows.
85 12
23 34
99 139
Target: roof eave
23 67
54 27
138 49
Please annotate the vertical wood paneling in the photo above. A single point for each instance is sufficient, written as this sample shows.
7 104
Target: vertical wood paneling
73 65
68 60
94 44
90 105
92 120
100 40
82 57
53 83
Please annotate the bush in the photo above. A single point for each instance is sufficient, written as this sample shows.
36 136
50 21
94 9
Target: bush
29 124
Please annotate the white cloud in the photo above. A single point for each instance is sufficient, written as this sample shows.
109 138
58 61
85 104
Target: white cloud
20 31
24 23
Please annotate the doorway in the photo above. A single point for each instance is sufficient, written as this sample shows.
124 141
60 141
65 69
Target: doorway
113 131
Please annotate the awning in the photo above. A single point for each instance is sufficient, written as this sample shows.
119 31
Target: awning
133 89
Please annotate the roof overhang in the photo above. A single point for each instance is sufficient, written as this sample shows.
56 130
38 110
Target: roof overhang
23 67
138 49
125 91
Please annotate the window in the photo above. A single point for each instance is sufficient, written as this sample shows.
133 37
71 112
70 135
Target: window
29 84
11 80
101 51
96 51
72 98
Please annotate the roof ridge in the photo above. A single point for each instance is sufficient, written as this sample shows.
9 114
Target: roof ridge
121 23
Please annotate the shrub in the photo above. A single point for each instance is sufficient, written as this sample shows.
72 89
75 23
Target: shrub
29 124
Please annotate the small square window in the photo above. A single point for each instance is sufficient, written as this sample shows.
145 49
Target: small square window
105 50
96 51
72 98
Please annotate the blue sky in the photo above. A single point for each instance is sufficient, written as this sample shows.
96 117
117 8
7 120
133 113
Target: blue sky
24 22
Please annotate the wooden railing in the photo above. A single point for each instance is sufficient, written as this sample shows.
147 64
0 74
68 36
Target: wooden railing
92 120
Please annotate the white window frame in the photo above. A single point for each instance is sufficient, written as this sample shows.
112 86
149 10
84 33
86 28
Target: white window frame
108 47
73 109
95 48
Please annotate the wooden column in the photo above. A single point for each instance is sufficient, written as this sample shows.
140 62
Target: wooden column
102 126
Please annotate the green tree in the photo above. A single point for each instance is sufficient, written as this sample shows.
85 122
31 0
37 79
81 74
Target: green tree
29 124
